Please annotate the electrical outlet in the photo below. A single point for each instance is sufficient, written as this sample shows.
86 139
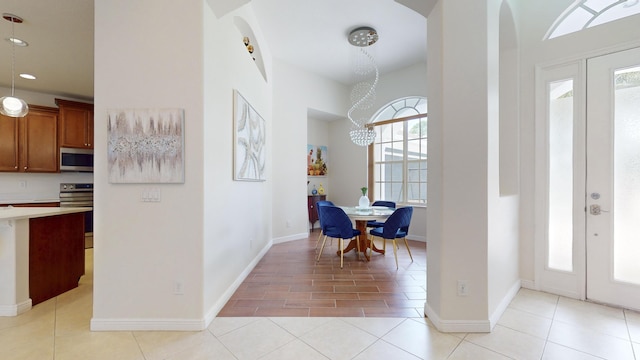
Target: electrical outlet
23 184
178 288
463 288
288 223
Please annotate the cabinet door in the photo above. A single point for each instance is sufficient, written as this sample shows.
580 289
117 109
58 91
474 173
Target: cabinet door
90 129
9 157
76 124
73 127
39 141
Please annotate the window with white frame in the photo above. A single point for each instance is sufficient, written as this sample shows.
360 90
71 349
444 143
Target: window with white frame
584 14
398 156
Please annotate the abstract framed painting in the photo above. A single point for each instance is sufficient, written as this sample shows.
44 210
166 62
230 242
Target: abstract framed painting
249 136
145 146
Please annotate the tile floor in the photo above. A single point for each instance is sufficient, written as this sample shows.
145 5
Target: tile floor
535 326
289 282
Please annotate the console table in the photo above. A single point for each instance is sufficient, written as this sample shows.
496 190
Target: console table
311 207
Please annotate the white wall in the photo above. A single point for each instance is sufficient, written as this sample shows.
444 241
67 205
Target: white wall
472 231
295 91
149 54
237 214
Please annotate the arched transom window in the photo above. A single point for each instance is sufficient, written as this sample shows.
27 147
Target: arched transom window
584 14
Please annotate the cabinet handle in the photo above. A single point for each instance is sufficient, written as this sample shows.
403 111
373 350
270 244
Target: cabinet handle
25 168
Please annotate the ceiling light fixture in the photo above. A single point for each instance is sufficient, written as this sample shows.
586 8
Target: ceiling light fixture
17 41
11 105
364 91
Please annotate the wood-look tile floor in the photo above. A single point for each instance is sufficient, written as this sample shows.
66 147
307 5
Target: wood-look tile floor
289 282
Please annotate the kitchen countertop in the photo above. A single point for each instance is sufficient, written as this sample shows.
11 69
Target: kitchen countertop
15 213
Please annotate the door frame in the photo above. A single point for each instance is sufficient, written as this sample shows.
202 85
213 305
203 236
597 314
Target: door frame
601 284
572 284
566 283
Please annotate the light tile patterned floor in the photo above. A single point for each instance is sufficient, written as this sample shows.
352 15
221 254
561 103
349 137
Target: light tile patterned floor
535 326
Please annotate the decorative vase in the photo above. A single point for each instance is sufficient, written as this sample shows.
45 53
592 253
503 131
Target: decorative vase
314 191
363 202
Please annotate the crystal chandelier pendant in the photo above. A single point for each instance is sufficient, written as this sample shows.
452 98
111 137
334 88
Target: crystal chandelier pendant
362 136
364 92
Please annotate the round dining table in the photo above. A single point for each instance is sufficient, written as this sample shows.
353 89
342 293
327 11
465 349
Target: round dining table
362 215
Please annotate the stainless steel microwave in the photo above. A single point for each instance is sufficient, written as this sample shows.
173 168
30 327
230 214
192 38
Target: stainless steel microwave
76 159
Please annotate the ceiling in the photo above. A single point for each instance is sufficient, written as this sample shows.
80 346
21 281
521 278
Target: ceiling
311 35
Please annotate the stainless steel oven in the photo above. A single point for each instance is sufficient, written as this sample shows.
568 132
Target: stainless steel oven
80 195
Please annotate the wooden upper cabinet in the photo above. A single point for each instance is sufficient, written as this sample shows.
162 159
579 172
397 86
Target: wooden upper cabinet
9 144
76 124
39 141
30 143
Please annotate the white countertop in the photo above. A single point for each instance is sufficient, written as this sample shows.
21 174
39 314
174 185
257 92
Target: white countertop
14 213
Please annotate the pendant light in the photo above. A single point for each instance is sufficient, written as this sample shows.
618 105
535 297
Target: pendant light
364 92
11 105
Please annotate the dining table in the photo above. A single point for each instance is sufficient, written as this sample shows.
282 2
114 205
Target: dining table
362 215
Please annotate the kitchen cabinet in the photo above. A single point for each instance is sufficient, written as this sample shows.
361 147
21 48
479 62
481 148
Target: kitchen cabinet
30 143
311 208
56 255
76 124
42 255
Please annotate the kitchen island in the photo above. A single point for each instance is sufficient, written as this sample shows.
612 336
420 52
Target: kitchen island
41 254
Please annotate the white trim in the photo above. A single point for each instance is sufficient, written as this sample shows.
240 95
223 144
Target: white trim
16 309
215 309
288 238
504 304
417 238
547 279
180 324
529 284
147 324
475 326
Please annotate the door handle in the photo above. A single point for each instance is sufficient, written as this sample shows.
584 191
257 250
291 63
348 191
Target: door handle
596 210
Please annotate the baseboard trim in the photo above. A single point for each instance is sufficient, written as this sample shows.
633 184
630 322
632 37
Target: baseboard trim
504 304
147 324
15 310
528 284
473 326
215 309
417 238
179 324
463 326
288 238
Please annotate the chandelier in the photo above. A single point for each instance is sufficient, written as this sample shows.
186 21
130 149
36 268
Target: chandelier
363 93
11 105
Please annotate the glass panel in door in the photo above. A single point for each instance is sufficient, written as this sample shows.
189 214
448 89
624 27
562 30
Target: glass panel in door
613 179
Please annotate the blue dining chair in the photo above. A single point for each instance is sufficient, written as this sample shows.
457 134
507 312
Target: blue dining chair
336 224
377 224
396 227
318 204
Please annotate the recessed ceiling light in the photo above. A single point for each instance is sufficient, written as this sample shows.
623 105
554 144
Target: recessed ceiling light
17 41
27 76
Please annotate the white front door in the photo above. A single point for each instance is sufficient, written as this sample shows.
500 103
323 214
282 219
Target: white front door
613 179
